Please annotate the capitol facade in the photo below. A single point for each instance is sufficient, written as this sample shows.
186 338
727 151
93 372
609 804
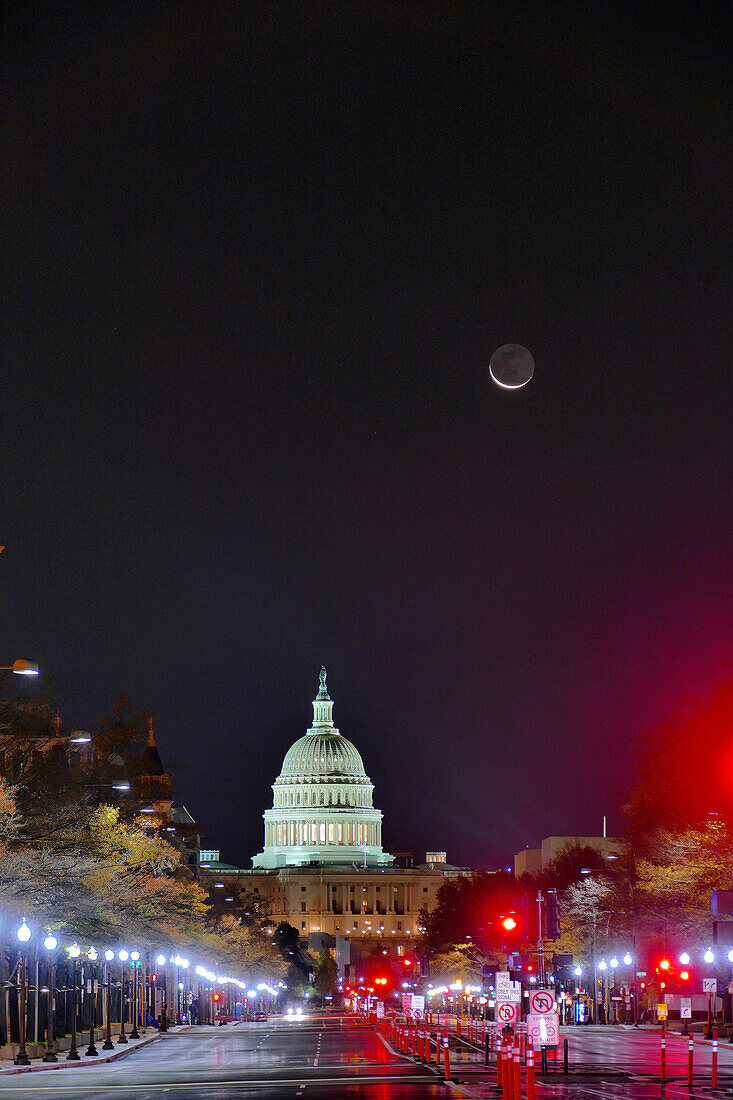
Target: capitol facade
322 810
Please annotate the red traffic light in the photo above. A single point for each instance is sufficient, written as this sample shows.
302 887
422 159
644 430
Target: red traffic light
153 977
216 996
664 964
508 923
407 962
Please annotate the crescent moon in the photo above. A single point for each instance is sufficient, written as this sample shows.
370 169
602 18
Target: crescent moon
511 366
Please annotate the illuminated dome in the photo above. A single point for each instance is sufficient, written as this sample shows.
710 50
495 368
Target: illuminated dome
323 755
322 810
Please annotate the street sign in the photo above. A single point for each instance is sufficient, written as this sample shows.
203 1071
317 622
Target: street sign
507 1013
541 1003
503 981
380 1010
418 1007
513 992
662 1011
544 1030
407 1004
710 985
685 1008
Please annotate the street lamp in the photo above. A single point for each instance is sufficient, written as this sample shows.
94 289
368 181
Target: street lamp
123 956
160 960
614 966
50 943
92 955
23 934
73 1055
134 959
21 667
709 957
109 959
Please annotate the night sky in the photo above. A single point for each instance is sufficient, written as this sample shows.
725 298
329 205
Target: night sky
255 259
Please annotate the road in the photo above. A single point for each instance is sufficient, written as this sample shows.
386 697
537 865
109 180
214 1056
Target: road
295 1061
615 1063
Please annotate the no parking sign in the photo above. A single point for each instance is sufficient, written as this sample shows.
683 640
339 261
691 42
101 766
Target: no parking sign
507 1013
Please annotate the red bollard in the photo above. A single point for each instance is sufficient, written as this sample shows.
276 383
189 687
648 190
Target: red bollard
530 1069
458 1026
517 1065
446 1055
663 1058
499 1060
689 1063
714 1081
506 1071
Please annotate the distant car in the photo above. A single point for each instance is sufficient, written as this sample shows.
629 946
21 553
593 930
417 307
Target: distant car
260 1016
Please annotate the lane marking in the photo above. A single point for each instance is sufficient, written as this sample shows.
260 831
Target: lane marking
203 1086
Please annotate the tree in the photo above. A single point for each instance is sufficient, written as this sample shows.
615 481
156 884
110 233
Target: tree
325 975
286 939
468 911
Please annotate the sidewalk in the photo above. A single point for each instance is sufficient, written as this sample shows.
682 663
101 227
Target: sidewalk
37 1064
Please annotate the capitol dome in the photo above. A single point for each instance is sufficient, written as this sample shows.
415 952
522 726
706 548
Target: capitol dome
322 755
322 810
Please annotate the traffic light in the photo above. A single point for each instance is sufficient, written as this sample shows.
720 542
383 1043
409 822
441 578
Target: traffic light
216 996
508 923
407 963
153 977
552 917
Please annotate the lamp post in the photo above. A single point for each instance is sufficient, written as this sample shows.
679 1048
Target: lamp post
50 943
73 1055
184 966
160 960
603 967
109 957
709 958
628 962
578 972
21 667
123 956
23 934
134 959
614 966
92 955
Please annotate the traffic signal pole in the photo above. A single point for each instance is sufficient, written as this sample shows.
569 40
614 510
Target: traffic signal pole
540 943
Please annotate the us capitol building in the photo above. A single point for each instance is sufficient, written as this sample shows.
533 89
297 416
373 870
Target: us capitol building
323 868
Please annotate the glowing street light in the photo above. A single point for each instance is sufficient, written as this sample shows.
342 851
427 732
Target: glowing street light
24 934
123 956
50 943
92 955
74 953
134 959
21 667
